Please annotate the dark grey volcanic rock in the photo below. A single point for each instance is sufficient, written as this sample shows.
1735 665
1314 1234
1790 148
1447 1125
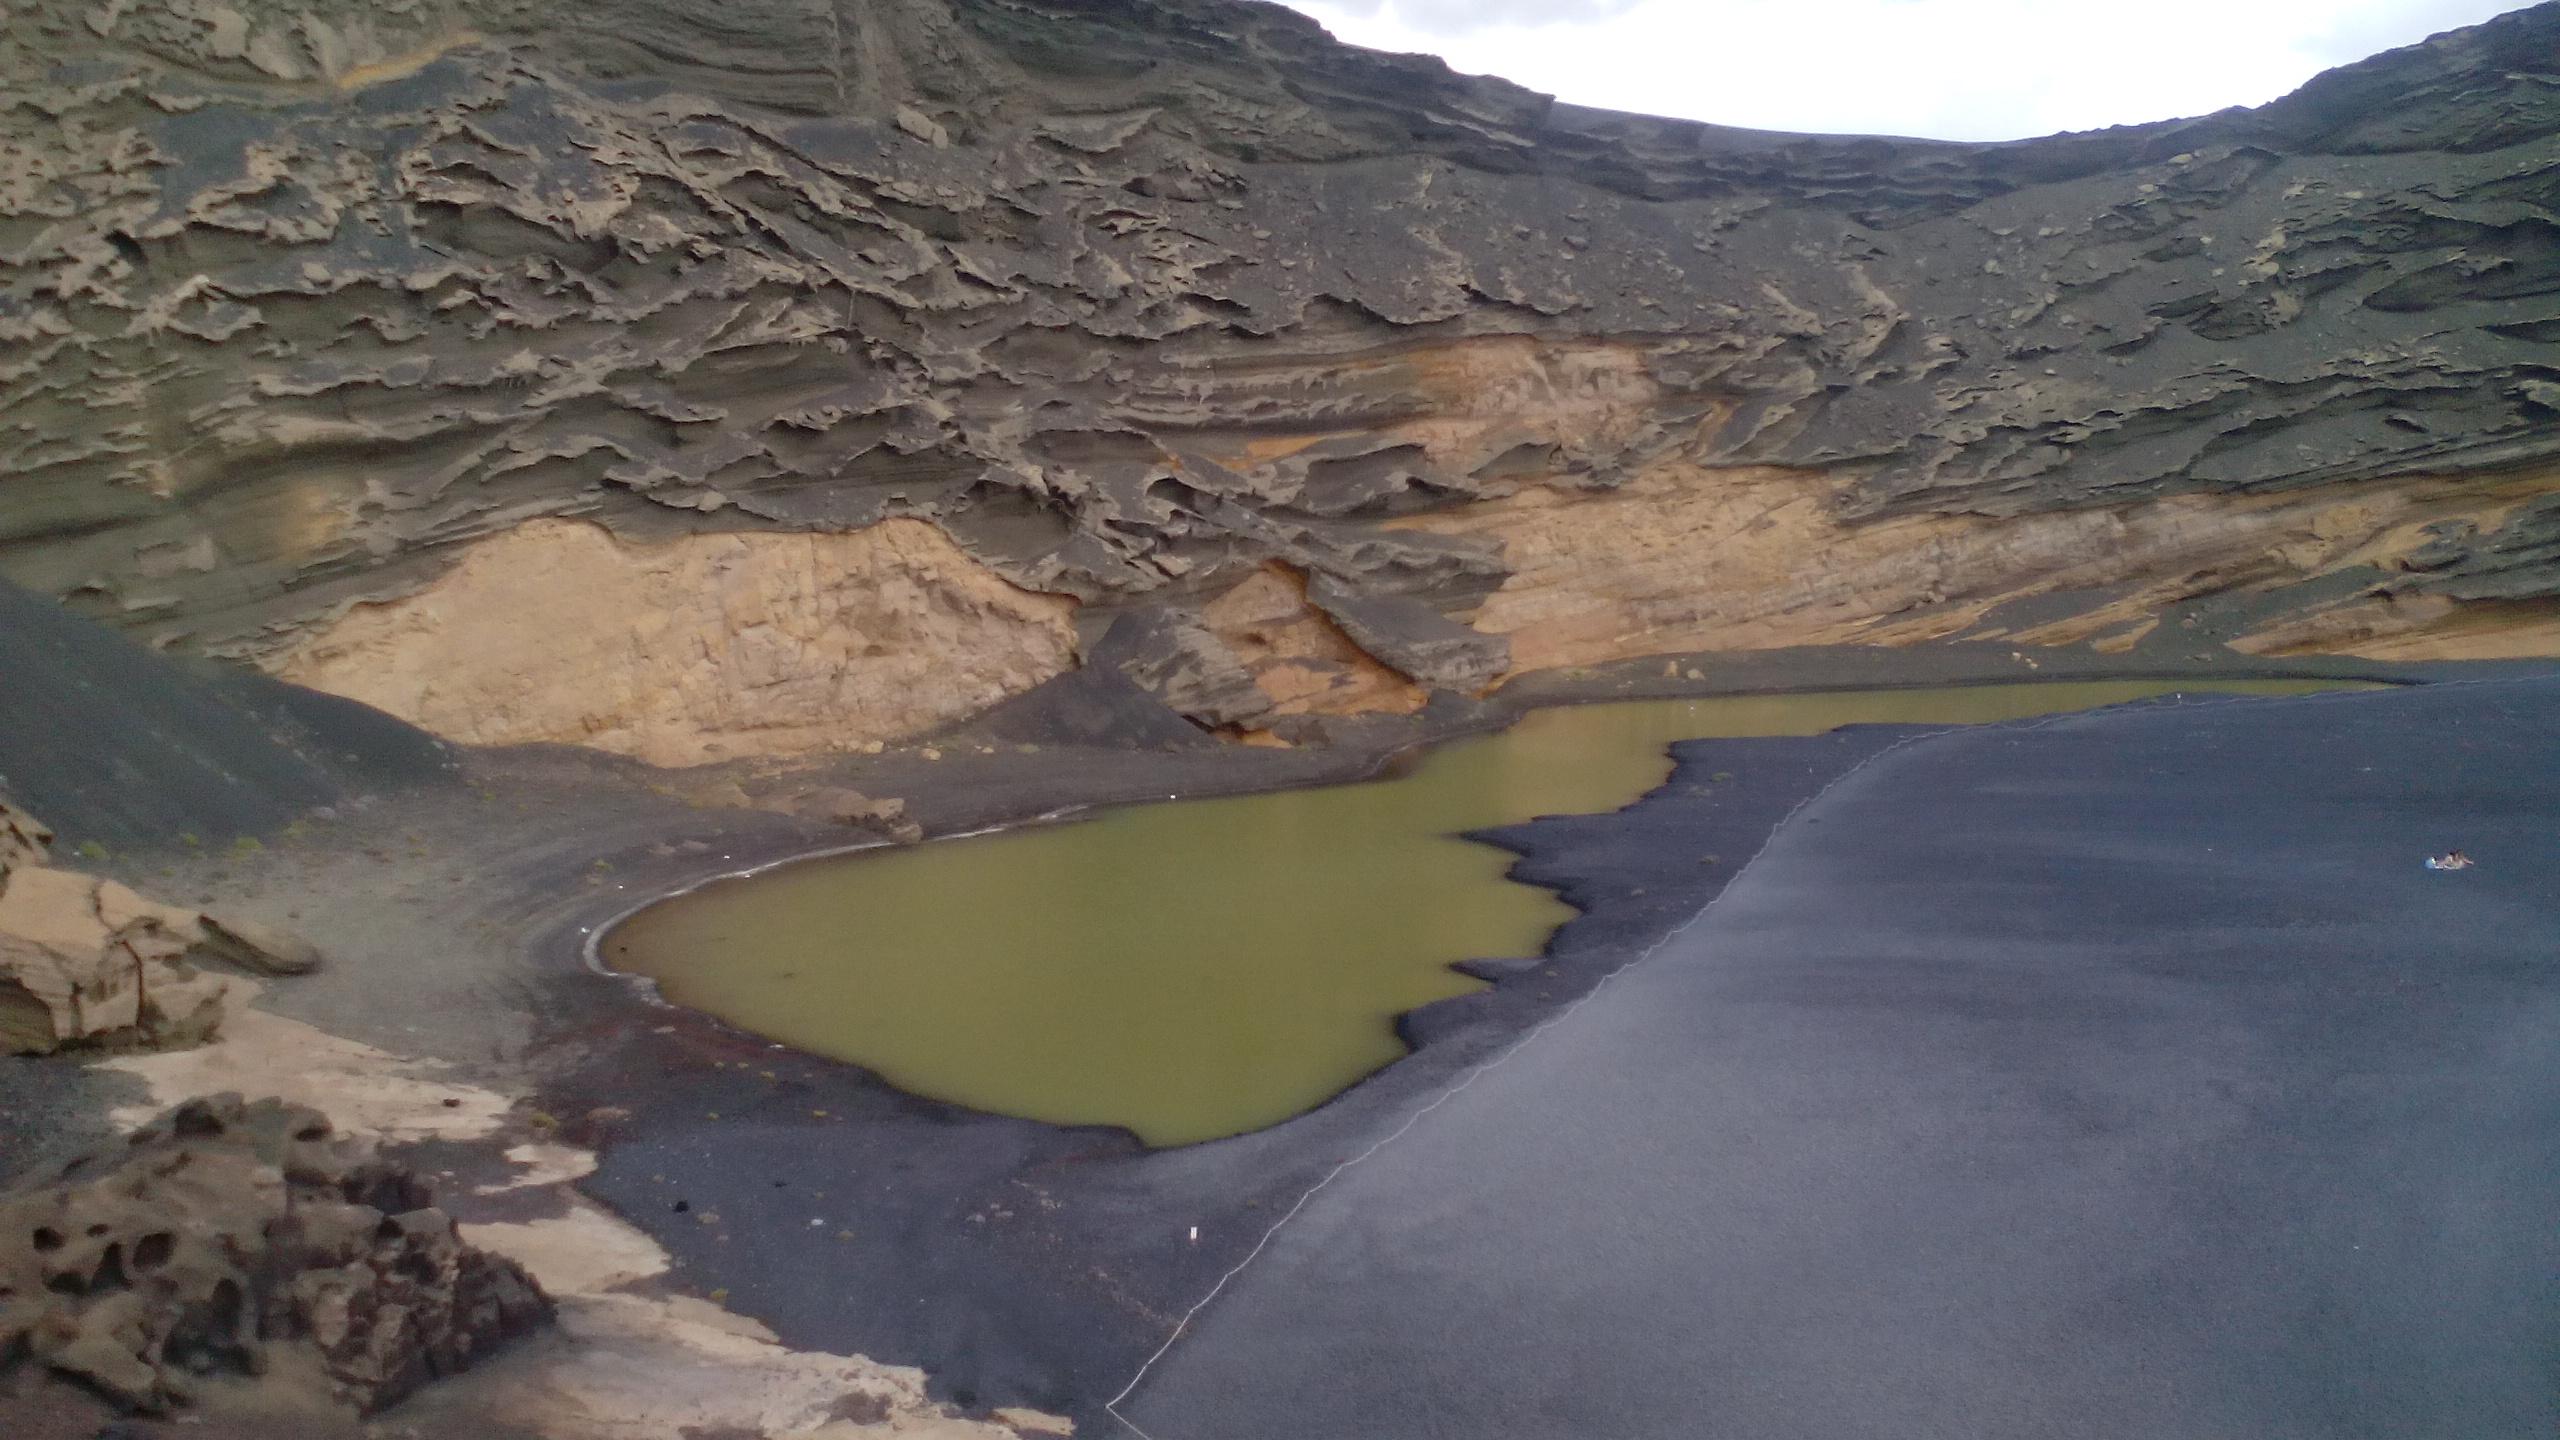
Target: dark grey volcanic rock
227 1233
2520 560
297 298
1175 658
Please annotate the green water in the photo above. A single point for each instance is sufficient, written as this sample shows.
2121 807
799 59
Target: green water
1208 967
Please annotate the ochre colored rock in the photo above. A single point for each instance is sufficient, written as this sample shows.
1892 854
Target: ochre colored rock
1297 656
852 807
225 1232
85 961
1625 573
696 648
254 946
725 795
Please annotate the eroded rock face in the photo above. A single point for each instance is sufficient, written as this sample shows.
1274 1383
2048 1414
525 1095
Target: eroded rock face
1175 657
85 961
226 1233
696 647
88 962
1177 306
1692 560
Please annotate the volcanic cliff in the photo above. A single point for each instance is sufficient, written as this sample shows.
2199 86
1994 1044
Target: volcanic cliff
702 380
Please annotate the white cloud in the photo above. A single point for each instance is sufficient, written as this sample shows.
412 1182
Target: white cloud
1954 69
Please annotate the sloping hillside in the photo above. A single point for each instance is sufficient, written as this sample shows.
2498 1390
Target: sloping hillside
757 378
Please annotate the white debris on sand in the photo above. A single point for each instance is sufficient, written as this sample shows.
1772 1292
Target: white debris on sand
627 1360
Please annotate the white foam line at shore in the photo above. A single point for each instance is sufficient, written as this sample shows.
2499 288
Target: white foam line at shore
590 952
593 935
2175 699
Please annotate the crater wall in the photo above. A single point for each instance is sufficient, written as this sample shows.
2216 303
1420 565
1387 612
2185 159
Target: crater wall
818 372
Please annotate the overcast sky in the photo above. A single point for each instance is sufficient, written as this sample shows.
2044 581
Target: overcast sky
1954 69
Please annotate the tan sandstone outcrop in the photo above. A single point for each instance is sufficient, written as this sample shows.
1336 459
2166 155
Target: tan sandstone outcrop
840 806
699 647
225 1234
85 961
253 946
2412 627
713 646
1679 559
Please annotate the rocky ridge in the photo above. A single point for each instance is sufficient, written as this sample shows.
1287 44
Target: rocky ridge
917 345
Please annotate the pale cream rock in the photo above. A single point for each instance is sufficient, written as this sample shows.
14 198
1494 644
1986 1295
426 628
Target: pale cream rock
87 961
840 806
695 649
1680 559
368 1091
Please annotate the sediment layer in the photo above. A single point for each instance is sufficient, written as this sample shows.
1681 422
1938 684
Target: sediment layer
1365 377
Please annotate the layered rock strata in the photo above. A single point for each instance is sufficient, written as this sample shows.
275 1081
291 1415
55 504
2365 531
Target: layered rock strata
251 1240
805 373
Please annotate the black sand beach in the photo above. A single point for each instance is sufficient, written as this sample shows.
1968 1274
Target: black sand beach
1025 1264
2119 1075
